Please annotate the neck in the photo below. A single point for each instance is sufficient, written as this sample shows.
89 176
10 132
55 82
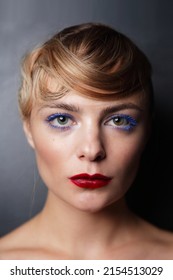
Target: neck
73 230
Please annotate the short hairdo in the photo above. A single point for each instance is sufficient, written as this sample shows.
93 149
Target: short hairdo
93 59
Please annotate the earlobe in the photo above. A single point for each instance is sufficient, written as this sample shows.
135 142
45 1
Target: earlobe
28 133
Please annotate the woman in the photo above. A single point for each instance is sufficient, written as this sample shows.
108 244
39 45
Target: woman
86 101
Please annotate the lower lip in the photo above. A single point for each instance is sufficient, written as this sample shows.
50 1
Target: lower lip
90 184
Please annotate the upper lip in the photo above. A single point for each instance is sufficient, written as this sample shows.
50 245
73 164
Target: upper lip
86 176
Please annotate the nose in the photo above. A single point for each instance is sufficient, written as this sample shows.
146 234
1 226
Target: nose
91 146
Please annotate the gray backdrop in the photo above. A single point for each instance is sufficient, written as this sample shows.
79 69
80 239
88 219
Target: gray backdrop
25 23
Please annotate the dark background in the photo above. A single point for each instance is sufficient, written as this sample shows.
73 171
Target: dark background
26 23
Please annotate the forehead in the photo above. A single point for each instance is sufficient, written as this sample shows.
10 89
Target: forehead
62 92
57 93
76 102
75 97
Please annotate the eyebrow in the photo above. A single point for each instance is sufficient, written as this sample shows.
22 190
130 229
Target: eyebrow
112 109
104 111
64 106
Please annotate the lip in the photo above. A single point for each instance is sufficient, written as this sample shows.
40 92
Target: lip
87 181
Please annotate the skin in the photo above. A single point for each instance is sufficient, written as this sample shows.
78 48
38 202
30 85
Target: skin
89 146
78 223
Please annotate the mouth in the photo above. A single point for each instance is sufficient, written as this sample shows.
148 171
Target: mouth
87 181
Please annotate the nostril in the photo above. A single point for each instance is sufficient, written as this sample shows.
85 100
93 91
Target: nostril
93 158
100 156
91 149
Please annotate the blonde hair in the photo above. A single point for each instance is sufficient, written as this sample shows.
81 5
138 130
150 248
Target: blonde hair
92 59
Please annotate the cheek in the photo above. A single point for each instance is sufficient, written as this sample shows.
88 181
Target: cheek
124 165
50 156
126 155
130 152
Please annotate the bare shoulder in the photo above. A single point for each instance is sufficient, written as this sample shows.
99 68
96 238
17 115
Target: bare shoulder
147 242
158 243
25 243
14 243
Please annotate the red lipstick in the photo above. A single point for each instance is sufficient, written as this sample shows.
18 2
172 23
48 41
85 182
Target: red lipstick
87 181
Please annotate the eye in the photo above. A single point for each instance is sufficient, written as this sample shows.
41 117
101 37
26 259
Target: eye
124 122
61 121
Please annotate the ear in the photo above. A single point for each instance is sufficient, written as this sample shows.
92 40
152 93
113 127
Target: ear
28 133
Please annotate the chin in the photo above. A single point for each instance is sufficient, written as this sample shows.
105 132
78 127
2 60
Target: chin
93 203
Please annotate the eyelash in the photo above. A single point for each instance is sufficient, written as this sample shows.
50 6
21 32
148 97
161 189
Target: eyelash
130 122
127 123
53 117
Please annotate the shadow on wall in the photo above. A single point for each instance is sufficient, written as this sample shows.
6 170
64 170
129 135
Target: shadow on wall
152 192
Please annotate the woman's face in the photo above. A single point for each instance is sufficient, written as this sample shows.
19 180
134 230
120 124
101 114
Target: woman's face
77 135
